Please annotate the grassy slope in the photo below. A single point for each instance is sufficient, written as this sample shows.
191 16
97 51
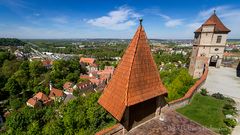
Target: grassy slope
205 110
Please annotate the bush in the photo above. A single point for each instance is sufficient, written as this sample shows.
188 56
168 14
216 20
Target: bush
225 131
229 109
203 92
230 122
230 100
218 96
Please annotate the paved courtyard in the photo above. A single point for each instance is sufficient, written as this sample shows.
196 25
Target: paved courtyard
224 81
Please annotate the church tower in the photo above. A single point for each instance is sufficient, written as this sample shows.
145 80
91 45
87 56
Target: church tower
208 46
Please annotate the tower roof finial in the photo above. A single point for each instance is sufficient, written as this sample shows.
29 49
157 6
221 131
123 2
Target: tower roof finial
140 21
214 11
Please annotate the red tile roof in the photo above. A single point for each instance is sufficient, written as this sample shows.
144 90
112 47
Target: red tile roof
47 62
87 60
32 101
56 93
136 79
41 96
67 85
84 84
38 97
218 25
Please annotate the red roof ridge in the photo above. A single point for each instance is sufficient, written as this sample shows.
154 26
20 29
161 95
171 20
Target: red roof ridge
218 25
135 50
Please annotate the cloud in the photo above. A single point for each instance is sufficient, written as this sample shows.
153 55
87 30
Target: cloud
17 6
60 20
36 14
174 22
169 21
120 19
204 14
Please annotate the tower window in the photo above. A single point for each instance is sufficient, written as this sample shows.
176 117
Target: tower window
219 38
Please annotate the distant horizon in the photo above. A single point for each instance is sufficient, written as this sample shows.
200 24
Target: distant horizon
109 38
26 19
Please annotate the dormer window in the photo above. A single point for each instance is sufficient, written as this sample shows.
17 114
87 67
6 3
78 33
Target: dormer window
219 38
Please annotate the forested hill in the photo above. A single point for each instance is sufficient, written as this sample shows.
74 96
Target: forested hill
11 42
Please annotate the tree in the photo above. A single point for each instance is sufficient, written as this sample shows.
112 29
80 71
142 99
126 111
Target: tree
36 68
15 103
22 77
73 77
53 128
34 128
13 87
11 42
3 57
10 67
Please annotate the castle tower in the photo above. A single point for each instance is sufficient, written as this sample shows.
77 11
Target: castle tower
135 93
208 46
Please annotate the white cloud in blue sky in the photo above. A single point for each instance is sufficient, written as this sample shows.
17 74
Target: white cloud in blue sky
27 19
120 19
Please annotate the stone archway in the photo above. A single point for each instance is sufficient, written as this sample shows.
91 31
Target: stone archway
213 60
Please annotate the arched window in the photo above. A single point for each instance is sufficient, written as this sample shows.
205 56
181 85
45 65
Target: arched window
219 38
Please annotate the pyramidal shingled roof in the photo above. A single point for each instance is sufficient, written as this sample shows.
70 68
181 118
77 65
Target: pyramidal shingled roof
214 20
136 79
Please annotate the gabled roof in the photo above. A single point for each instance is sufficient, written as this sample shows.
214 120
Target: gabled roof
32 101
218 25
56 93
41 96
38 97
87 60
67 85
136 78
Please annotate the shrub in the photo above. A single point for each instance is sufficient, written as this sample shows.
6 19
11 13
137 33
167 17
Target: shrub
230 100
225 131
204 92
218 96
229 109
230 122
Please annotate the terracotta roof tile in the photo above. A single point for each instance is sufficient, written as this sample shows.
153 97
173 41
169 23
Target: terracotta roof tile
32 101
88 60
41 96
214 20
135 80
56 93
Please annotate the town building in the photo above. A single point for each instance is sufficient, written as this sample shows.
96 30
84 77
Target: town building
208 47
135 92
84 87
56 94
89 63
68 87
39 100
47 63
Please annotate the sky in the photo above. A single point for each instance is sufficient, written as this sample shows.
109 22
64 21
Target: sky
68 19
